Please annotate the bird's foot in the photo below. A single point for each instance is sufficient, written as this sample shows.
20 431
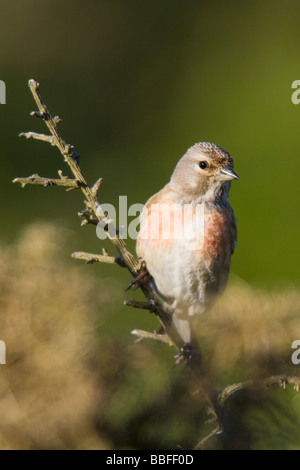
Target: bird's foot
187 353
143 277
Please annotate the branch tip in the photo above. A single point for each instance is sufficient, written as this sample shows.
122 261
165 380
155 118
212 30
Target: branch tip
33 83
42 181
61 175
95 188
36 136
90 258
57 120
141 334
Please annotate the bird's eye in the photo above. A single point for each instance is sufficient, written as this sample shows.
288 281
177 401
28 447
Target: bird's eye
203 165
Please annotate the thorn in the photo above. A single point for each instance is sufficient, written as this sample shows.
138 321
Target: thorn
87 218
33 82
62 176
34 135
148 335
139 339
68 150
104 252
96 187
40 114
132 286
57 120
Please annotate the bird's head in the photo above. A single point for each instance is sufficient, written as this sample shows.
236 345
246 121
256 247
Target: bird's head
205 171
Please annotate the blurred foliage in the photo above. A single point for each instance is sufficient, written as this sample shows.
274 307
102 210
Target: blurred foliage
74 380
137 83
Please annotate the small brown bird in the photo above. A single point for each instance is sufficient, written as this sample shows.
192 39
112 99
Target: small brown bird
188 233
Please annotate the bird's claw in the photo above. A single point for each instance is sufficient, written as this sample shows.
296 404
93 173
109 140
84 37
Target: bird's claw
186 353
143 277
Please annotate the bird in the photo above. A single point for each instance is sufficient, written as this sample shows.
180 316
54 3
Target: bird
188 233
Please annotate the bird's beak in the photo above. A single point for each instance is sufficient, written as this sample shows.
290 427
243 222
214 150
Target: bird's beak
227 174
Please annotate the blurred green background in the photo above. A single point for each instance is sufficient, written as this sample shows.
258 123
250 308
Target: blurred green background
137 83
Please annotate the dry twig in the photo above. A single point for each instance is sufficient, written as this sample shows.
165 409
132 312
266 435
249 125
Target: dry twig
93 212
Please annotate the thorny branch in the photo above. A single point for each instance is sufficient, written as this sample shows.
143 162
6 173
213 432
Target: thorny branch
94 258
93 214
36 179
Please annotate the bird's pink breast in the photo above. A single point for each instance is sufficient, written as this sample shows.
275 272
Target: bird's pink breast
217 233
209 233
191 271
